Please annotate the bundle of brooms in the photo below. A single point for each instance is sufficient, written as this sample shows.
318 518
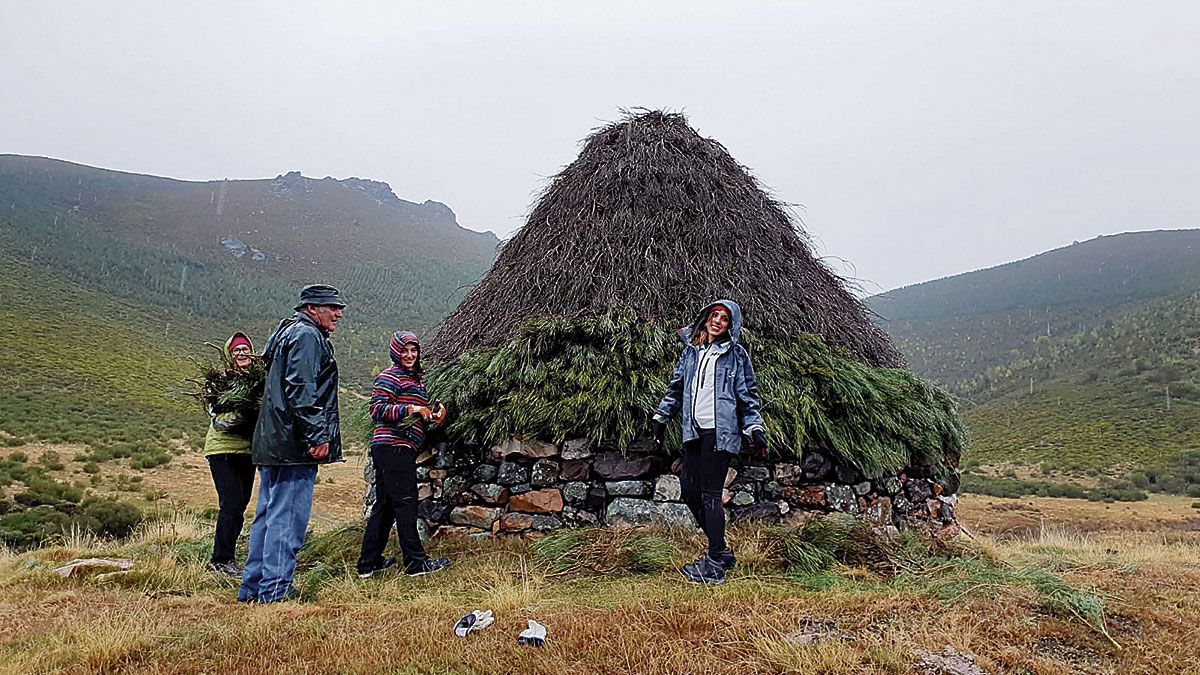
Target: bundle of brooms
572 332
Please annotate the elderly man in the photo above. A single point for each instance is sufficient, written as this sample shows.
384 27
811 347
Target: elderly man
297 430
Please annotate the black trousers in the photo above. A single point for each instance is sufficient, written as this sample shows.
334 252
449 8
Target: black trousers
233 476
702 482
395 503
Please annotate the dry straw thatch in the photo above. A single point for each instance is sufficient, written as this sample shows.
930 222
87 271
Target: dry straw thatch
653 218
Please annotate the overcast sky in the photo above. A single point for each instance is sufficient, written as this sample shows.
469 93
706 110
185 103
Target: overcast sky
920 139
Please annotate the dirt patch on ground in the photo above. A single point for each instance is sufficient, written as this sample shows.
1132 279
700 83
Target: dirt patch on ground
1171 516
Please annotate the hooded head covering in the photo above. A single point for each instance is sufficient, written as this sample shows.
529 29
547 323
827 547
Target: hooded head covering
735 321
399 339
234 340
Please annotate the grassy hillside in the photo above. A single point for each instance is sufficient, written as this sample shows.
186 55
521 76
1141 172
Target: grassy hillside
1124 394
83 367
156 242
1080 362
955 328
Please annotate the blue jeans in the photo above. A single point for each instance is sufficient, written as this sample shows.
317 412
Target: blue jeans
285 496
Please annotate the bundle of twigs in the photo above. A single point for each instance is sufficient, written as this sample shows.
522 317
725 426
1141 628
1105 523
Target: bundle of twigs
221 388
655 219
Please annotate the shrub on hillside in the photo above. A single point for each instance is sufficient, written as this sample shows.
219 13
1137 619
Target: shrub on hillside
108 517
31 526
48 492
1111 491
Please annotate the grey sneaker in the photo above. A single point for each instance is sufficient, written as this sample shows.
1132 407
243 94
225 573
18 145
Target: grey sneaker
727 559
368 573
705 571
229 569
419 568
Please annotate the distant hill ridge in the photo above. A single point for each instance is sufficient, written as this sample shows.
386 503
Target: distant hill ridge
297 221
231 254
1105 270
954 328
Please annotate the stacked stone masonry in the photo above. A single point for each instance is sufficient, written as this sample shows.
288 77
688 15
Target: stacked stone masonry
519 487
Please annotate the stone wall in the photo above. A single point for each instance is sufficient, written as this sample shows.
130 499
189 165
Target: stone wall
529 487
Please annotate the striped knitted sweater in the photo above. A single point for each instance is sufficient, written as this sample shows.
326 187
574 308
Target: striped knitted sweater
395 390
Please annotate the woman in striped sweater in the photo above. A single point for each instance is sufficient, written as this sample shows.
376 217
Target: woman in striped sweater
401 412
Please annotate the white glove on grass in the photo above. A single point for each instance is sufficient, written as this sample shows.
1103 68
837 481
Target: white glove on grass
476 620
534 635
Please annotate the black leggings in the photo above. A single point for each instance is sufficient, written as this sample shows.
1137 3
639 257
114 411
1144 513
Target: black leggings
702 483
395 502
233 476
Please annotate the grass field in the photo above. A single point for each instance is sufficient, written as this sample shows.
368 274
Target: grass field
1022 596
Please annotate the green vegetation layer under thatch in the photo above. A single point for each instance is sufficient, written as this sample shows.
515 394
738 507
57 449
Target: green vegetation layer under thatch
601 378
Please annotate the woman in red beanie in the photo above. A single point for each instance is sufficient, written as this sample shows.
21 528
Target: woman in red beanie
232 396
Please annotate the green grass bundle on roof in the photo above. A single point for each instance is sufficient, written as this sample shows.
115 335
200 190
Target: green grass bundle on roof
602 377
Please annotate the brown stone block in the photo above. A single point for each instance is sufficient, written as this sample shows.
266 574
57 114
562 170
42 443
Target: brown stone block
575 469
475 516
547 500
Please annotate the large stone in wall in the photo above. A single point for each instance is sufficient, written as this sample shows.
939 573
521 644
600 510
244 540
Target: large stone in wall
815 465
667 489
515 521
761 511
434 510
516 447
807 497
631 511
614 466
511 473
544 472
575 469
491 493
546 500
575 491
841 498
789 475
475 516
484 473
577 448
629 488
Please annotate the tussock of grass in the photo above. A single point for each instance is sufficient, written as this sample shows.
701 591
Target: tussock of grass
598 551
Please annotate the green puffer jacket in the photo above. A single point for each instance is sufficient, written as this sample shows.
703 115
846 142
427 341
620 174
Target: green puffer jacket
230 431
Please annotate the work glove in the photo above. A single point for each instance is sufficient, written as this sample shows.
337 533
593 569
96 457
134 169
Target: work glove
476 620
658 431
758 444
535 635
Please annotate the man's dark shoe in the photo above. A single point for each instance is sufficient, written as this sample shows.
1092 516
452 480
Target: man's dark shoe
425 566
705 571
368 573
727 559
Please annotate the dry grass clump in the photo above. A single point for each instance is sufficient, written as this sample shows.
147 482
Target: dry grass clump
605 551
655 219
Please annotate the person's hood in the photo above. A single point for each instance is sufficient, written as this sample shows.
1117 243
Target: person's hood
399 339
735 321
226 352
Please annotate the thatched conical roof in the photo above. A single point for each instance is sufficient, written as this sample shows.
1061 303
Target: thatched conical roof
655 219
